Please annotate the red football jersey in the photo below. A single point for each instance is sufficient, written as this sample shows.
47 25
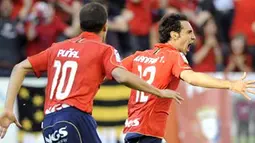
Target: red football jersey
147 114
75 70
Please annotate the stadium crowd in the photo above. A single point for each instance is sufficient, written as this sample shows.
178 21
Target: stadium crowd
225 29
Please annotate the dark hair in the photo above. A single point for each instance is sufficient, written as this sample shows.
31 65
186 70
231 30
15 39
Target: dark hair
93 17
170 23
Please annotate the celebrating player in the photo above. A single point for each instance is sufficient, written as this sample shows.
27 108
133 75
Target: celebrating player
163 67
75 70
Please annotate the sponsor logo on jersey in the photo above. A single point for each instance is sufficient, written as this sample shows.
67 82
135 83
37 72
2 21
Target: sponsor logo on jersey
57 135
132 123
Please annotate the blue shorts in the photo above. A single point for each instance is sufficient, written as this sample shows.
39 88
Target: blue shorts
70 125
139 138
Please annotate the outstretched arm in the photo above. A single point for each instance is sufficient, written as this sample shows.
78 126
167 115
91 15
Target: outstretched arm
203 80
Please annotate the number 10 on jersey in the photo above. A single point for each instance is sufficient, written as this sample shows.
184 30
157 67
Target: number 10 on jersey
63 93
151 70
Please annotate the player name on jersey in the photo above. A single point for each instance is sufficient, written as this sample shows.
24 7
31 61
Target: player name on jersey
71 53
149 60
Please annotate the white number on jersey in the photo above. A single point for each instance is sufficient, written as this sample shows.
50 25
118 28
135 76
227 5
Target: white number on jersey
140 96
60 93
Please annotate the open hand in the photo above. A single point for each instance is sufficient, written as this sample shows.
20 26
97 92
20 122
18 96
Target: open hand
171 94
6 119
242 87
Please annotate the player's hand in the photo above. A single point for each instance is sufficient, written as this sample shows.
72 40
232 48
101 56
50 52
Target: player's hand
242 87
6 119
171 94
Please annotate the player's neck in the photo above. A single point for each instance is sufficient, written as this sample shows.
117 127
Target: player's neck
173 44
102 35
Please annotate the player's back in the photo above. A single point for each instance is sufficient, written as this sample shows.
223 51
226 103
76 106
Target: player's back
75 72
157 67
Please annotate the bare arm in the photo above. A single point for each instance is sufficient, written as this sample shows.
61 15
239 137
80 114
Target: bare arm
204 80
31 34
200 55
130 80
7 117
218 55
74 29
230 67
25 9
16 79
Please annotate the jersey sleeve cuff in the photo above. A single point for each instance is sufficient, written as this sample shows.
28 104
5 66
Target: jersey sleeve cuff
36 73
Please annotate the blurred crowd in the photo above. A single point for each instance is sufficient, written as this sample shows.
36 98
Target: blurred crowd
225 29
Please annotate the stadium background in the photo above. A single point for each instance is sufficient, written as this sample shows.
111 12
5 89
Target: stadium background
225 47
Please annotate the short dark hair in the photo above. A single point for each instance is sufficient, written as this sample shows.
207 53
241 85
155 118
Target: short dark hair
93 17
170 23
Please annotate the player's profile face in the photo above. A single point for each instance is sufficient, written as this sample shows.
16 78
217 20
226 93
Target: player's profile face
187 37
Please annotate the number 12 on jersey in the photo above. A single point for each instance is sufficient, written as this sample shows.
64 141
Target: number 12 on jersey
140 96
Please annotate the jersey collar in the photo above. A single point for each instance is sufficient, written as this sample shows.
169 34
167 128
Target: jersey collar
165 45
91 36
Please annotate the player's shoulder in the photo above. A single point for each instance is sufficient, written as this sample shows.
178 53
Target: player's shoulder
170 51
99 44
60 44
140 53
171 54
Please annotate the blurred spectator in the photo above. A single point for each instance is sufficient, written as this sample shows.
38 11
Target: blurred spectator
244 22
66 9
239 59
207 50
186 7
141 23
10 36
21 8
222 11
243 114
118 17
44 28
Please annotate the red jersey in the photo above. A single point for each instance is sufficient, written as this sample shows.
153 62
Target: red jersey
75 69
147 114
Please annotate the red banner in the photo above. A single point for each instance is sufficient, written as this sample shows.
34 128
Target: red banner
204 116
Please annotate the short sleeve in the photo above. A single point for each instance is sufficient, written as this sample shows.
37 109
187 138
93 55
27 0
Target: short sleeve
128 62
180 64
111 60
39 62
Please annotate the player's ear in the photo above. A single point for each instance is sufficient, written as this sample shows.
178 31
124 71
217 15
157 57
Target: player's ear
174 35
